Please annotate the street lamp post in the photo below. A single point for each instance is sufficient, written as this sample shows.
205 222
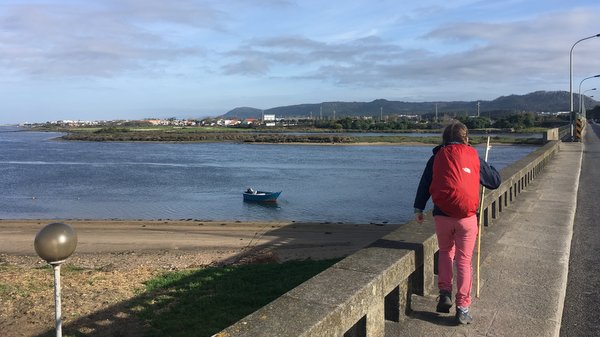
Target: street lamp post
55 243
580 83
571 76
583 112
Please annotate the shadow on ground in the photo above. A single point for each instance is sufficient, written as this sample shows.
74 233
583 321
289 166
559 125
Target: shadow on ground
202 302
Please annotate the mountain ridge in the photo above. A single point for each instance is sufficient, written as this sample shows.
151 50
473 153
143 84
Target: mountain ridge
537 101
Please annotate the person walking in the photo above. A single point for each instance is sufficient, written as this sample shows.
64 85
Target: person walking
452 179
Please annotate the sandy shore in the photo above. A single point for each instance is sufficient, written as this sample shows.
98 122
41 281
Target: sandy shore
181 244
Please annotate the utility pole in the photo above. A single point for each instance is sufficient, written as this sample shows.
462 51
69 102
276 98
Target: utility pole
321 112
477 108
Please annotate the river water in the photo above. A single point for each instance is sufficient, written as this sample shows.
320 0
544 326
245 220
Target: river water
42 178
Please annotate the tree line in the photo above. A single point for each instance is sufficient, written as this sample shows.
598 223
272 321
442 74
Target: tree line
515 121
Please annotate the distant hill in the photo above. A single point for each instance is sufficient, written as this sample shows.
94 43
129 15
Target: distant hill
539 101
244 112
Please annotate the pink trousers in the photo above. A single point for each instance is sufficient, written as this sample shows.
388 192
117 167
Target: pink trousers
456 240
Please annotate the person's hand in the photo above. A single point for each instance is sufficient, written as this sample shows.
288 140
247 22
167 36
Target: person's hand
419 216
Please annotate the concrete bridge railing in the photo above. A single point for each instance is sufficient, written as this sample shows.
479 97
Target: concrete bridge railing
358 294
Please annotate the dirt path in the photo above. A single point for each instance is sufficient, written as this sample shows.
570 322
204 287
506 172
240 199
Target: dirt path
114 258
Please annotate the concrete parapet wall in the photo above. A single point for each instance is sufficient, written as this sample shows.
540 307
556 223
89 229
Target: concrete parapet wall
551 134
515 178
358 294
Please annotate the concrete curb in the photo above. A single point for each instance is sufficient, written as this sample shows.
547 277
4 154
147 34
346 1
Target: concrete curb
563 290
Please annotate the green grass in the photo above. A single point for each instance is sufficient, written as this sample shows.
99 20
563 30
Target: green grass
224 134
506 140
531 130
70 268
434 140
399 139
204 302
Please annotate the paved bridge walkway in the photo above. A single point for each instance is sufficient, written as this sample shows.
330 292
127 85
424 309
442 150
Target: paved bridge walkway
524 263
581 315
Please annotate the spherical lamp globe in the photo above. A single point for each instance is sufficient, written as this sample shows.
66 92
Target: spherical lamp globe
55 242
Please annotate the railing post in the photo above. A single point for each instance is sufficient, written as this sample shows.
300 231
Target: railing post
500 202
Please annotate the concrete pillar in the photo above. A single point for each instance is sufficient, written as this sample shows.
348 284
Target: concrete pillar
376 319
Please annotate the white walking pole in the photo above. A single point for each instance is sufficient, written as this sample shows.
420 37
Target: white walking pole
487 150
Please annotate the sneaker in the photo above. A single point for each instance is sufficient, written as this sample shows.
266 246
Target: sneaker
444 302
463 316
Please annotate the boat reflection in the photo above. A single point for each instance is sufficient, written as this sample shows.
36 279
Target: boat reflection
264 205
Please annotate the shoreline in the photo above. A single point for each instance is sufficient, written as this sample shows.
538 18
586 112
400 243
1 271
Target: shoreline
348 144
403 143
190 242
278 138
411 143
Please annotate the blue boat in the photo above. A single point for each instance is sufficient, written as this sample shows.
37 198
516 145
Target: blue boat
260 196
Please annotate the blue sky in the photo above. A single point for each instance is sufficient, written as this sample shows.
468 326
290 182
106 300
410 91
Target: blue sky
131 59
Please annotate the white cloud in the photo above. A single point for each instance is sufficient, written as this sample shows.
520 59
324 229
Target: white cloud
50 41
526 51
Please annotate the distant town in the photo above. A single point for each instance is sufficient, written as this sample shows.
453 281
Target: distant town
513 121
266 120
